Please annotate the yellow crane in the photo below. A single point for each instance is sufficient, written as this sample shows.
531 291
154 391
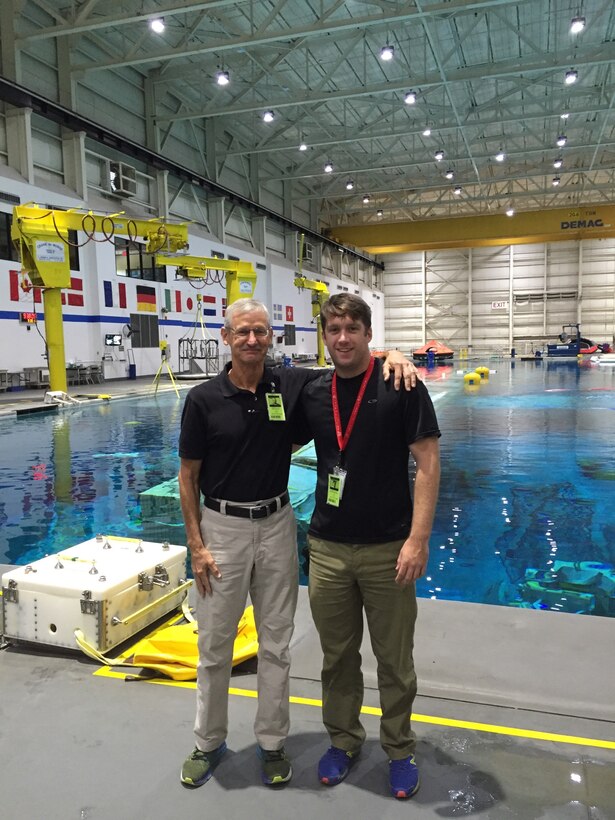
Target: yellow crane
320 293
240 276
41 237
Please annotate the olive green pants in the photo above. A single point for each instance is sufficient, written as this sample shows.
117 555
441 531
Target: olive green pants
345 580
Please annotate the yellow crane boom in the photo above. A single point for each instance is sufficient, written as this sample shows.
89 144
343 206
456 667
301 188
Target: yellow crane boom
240 275
42 239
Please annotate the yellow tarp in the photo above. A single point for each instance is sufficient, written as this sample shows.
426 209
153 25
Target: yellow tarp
173 650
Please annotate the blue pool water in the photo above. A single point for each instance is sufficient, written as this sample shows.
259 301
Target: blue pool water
528 480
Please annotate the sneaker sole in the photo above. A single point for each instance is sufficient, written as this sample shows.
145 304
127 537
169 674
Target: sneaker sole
194 784
326 781
402 795
278 781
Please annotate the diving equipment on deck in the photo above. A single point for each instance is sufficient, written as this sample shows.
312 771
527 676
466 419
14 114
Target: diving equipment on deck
571 586
109 588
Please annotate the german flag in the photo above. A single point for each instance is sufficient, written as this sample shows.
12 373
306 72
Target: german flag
146 299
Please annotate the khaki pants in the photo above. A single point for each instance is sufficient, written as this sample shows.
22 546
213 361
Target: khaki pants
260 558
344 580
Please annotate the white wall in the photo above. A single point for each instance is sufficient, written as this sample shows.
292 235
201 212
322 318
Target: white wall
449 295
85 327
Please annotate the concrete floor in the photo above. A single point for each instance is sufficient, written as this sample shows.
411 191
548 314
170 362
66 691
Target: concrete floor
94 747
515 721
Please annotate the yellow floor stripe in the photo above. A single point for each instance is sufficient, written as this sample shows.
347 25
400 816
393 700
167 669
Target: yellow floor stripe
471 726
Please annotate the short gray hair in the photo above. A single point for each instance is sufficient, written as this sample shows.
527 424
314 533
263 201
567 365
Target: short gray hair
244 306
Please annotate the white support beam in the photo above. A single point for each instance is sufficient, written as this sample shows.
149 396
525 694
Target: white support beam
291 240
67 83
73 160
511 296
211 150
217 219
19 141
580 284
162 193
10 65
470 279
152 132
259 234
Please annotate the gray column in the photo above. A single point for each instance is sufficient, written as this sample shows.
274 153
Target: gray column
73 160
217 223
67 85
162 193
287 204
259 234
19 141
10 66
152 132
290 248
211 149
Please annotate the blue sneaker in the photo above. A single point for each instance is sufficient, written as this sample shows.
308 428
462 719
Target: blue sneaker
335 764
403 777
199 766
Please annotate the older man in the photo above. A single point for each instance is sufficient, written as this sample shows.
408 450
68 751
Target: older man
235 445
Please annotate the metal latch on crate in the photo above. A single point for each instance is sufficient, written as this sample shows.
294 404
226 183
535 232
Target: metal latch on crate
160 578
88 606
11 593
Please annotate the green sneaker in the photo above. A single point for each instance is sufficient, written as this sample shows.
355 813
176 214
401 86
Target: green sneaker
275 767
199 766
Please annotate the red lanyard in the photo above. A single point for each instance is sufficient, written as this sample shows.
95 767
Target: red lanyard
342 440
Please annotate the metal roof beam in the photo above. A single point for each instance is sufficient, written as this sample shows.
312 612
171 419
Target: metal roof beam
604 54
318 29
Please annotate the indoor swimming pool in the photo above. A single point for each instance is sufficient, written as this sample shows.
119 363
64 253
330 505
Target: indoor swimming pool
525 512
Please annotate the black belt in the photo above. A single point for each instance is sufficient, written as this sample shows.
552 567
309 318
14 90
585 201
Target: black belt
258 511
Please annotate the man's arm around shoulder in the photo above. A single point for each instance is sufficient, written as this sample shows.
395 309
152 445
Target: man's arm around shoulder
414 554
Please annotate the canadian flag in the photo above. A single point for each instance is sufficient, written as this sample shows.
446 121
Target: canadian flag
21 291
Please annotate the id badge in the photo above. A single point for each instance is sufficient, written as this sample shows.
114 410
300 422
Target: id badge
275 407
335 486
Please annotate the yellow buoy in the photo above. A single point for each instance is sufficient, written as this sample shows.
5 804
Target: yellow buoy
472 378
483 372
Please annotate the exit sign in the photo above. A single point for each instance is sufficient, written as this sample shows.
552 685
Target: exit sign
499 306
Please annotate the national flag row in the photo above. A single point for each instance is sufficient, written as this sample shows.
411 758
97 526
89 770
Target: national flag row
20 289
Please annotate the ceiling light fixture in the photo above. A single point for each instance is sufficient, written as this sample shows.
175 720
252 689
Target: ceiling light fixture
427 132
510 212
564 116
379 212
410 97
457 190
558 162
223 77
302 146
387 53
366 199
268 116
449 174
439 155
571 76
556 181
157 24
562 140
328 168
577 24
500 156
349 185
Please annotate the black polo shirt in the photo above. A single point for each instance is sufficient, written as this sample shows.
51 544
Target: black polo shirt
245 456
376 505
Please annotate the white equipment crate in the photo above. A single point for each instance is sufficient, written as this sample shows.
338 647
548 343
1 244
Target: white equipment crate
109 588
